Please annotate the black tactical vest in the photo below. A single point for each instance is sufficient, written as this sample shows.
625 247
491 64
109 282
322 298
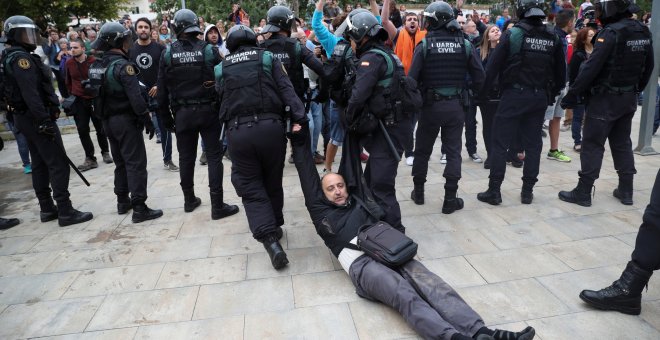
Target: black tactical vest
445 61
289 52
190 72
341 67
249 88
531 58
625 66
112 97
11 93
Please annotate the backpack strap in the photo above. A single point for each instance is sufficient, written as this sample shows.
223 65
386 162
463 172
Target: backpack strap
267 62
390 67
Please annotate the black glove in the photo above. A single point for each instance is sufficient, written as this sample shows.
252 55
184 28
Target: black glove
47 127
54 112
300 138
149 128
168 123
569 101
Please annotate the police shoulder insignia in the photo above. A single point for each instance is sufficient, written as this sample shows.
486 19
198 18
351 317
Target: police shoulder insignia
364 63
130 70
24 63
601 40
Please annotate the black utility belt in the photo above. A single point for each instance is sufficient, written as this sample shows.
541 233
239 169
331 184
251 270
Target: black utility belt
612 90
244 119
438 97
179 103
524 87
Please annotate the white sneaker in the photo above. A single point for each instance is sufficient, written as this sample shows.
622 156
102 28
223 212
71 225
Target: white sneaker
443 159
410 160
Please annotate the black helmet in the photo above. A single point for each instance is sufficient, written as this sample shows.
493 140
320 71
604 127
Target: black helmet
341 30
112 35
364 24
185 21
438 14
278 18
589 12
21 30
238 36
607 9
530 8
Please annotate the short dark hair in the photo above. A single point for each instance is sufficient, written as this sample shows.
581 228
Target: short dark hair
147 21
79 41
563 17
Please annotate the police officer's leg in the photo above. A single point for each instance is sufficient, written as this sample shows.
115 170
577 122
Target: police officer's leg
647 252
113 129
621 147
471 131
532 142
81 118
188 121
98 126
210 133
427 132
488 110
452 121
273 160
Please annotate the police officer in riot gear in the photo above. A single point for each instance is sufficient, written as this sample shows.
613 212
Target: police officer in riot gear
185 90
289 51
619 67
531 66
125 115
254 90
34 107
368 92
441 64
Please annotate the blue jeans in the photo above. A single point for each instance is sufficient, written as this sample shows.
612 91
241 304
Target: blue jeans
336 129
22 144
576 124
165 140
315 116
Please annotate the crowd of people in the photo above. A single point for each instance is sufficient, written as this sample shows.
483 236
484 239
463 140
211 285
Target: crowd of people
380 82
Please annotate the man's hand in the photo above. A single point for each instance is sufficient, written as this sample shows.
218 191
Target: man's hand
319 5
149 128
153 91
47 127
299 133
569 101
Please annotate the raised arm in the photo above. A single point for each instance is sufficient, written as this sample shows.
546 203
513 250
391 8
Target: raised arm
385 17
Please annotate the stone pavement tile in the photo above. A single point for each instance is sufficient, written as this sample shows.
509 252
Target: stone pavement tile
18 244
244 297
456 271
218 328
629 238
651 313
226 245
377 321
69 240
135 233
47 318
80 259
173 216
594 325
515 214
591 253
301 261
323 288
583 227
236 224
523 235
111 334
203 271
31 228
145 308
515 264
115 280
477 219
421 223
453 243
35 288
303 238
106 221
297 217
171 250
25 264
319 322
512 301
630 217
412 209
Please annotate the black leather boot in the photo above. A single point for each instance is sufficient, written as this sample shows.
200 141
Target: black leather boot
417 195
277 255
581 195
67 216
48 210
624 295
493 195
220 209
123 204
451 202
527 193
143 213
190 200
7 223
625 190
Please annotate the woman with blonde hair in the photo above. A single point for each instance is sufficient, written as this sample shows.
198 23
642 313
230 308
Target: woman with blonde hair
491 98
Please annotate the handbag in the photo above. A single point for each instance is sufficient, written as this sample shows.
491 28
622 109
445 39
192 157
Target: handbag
385 244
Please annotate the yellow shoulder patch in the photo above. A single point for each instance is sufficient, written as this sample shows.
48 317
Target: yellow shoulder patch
600 40
364 63
24 63
130 70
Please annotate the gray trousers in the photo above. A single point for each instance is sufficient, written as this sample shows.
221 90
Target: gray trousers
427 303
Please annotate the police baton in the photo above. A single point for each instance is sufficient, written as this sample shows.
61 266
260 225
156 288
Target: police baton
73 166
222 132
390 144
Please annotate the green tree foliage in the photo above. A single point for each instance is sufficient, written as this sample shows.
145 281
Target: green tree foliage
61 12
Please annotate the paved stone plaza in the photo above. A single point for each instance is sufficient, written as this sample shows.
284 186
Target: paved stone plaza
184 276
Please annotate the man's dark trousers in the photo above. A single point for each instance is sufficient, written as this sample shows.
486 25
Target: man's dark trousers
83 112
129 154
647 247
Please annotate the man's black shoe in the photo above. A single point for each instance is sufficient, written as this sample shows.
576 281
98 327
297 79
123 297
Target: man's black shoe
626 198
123 204
7 223
277 255
624 295
490 196
487 164
67 217
190 200
516 163
143 213
48 210
581 195
224 211
451 205
526 197
417 195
